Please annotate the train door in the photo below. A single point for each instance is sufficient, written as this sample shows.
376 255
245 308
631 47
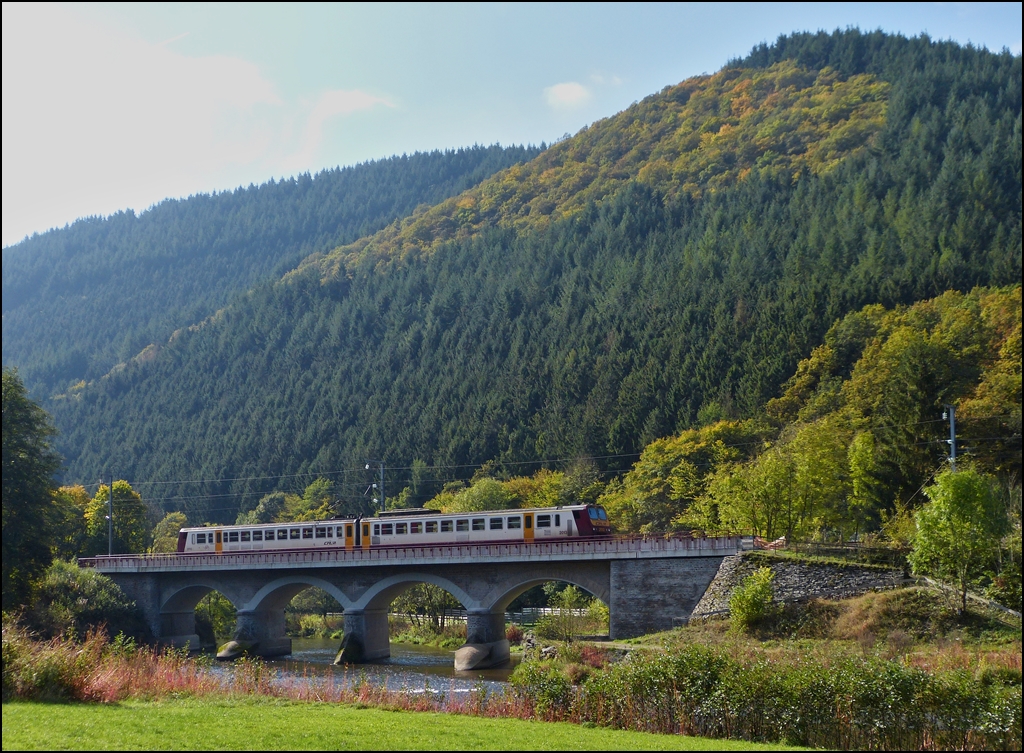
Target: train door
528 526
218 537
365 534
350 535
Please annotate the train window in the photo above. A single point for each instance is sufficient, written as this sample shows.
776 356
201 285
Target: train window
515 522
416 527
446 526
529 521
558 521
293 533
232 536
543 521
401 528
200 538
366 529
431 526
246 535
321 533
218 537
462 525
386 529
497 524
330 532
307 533
282 533
257 535
479 524
601 514
592 512
376 529
348 530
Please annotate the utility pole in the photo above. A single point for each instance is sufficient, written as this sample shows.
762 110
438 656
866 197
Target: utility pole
110 517
380 488
950 413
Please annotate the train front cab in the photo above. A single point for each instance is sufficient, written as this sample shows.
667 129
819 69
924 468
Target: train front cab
592 521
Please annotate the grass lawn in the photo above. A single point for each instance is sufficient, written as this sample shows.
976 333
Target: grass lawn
267 724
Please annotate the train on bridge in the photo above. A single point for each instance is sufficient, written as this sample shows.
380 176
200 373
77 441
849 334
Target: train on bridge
412 527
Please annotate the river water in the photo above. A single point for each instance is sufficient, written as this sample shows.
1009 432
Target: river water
410 667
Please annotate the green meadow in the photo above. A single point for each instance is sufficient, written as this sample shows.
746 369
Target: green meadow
270 724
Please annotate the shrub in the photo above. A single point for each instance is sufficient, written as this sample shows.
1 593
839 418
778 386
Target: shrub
550 689
598 616
73 601
594 656
753 600
577 673
514 634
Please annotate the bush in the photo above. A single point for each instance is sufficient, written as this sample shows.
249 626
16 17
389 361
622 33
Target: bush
549 688
74 601
753 600
577 673
514 634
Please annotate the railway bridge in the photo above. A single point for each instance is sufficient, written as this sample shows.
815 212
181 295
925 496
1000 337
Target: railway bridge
648 583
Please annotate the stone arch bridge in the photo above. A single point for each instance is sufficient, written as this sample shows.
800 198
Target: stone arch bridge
649 584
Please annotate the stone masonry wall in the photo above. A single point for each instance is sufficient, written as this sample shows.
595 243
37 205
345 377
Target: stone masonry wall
794 581
651 595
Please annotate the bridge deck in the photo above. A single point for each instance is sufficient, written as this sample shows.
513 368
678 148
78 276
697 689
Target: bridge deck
620 547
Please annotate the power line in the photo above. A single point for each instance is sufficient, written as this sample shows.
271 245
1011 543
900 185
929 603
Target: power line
501 464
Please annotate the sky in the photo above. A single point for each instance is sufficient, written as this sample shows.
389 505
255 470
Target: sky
109 107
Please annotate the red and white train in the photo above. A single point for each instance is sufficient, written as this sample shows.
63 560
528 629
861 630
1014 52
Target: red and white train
418 527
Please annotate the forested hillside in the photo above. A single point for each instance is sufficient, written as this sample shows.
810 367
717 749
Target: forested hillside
856 433
78 300
664 269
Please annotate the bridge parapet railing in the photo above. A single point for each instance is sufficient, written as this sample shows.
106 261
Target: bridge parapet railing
611 546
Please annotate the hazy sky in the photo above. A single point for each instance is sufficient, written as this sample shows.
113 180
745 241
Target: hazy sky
107 107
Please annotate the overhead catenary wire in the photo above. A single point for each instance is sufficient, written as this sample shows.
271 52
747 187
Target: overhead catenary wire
342 486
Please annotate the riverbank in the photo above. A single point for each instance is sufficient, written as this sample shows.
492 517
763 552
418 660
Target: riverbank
885 671
229 724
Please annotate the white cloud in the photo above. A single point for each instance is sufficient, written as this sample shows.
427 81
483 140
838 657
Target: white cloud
567 96
96 120
330 105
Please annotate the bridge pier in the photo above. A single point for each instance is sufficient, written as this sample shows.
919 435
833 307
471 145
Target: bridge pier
258 632
486 645
366 636
178 629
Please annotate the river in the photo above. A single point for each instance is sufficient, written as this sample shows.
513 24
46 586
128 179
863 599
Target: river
410 667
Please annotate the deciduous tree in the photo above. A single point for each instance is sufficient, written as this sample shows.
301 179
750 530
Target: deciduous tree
958 530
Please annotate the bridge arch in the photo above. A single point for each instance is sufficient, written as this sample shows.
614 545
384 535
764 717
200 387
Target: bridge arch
499 599
187 597
278 593
380 595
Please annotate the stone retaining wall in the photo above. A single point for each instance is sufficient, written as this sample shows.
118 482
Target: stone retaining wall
794 581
